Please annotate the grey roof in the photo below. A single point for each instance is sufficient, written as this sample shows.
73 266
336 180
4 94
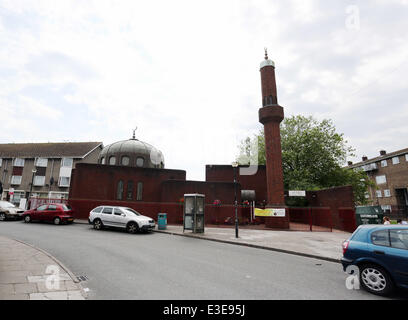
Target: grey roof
132 146
379 158
47 150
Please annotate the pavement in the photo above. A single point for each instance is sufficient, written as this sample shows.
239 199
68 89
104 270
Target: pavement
29 273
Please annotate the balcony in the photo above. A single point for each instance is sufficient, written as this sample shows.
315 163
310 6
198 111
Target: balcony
370 167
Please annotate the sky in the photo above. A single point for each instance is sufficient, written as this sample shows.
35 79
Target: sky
186 73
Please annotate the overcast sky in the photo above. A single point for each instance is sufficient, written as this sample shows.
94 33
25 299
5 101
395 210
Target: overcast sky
186 73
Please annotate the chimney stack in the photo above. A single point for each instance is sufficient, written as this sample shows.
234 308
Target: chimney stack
364 158
383 152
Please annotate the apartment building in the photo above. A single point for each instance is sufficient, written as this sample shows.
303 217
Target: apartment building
42 170
389 171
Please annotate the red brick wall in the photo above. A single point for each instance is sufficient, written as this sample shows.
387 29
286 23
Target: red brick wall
225 173
94 181
214 214
334 198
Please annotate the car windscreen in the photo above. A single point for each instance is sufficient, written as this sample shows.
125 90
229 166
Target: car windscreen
132 211
5 204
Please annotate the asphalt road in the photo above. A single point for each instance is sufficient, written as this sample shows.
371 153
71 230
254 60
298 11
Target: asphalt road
161 266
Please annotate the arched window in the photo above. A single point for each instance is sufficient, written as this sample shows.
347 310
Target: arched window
125 161
139 191
270 100
139 162
265 101
119 191
112 160
103 160
129 191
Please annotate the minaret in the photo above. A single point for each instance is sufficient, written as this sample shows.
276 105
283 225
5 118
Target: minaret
271 115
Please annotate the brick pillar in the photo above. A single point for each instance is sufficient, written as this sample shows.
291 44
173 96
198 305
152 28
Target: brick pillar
271 115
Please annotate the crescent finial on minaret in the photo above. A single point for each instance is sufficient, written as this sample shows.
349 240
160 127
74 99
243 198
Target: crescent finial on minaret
134 133
266 53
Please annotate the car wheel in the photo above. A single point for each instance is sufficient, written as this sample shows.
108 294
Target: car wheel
97 224
132 227
27 219
376 280
2 217
57 221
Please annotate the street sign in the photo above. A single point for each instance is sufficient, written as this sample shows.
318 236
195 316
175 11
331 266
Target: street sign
270 212
297 193
11 191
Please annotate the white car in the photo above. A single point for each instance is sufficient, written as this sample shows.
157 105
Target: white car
120 217
10 211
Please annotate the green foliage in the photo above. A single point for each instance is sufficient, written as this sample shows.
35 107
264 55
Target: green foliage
312 156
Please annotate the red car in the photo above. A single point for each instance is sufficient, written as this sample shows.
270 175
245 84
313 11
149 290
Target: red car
57 213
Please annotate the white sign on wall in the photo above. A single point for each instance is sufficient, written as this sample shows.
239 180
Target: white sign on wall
297 193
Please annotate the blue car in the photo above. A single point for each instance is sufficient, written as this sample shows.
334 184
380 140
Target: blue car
381 254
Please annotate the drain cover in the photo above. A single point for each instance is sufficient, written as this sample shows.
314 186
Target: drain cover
82 278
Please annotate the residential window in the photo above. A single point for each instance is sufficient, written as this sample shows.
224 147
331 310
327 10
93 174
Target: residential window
15 180
129 192
384 163
39 180
378 193
67 162
18 162
112 160
64 181
125 161
395 160
103 160
387 193
406 157
139 162
139 191
41 162
1 162
119 191
381 179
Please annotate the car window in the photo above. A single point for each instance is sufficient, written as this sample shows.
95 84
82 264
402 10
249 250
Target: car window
5 204
42 208
381 238
117 211
132 211
97 210
52 207
399 239
66 207
107 210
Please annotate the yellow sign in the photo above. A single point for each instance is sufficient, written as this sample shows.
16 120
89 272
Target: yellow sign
269 212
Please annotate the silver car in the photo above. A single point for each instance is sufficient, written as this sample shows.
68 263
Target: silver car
120 217
9 211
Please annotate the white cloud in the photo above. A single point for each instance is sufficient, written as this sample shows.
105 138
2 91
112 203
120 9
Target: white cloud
187 72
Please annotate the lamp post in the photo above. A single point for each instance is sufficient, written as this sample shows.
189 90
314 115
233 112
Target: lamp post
31 187
235 166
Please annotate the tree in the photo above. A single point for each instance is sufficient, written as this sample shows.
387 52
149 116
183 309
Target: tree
312 156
